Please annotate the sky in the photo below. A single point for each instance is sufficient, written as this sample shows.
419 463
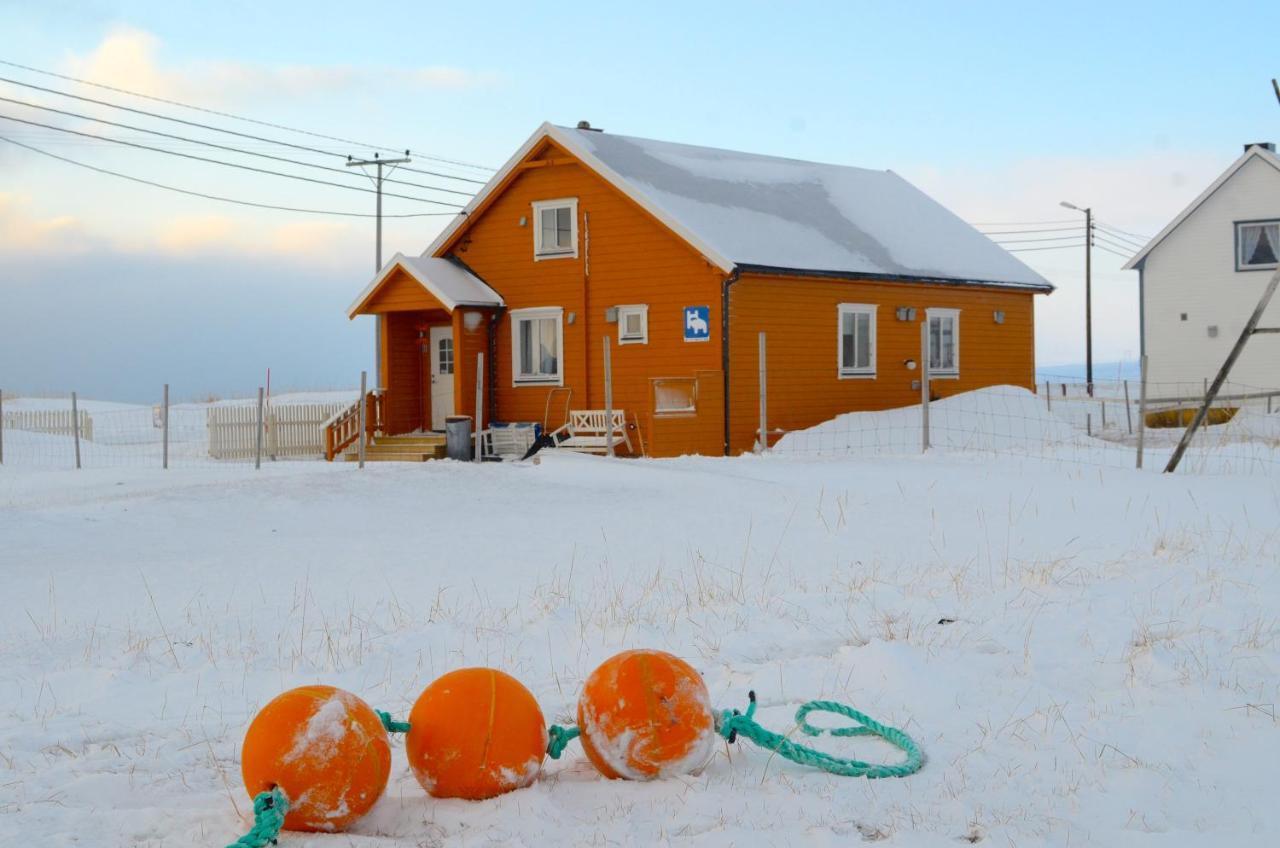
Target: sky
999 111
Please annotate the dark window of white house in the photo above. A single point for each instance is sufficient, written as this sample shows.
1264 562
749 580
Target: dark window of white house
1257 245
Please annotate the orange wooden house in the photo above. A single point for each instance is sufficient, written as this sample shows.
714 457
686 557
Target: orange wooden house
679 256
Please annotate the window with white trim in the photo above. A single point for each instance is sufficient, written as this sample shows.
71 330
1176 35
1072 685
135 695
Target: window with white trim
537 342
555 228
633 324
857 340
1257 245
944 342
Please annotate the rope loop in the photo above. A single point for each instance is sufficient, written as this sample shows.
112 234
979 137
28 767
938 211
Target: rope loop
558 738
391 725
731 724
269 810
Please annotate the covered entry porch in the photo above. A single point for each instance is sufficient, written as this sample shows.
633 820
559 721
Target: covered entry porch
434 317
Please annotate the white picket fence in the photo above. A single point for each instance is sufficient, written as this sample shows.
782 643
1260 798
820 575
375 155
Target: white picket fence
291 430
57 422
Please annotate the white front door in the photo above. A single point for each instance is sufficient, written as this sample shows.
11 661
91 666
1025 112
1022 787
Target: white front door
441 375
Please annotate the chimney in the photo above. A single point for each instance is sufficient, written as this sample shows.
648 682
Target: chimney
586 125
1268 146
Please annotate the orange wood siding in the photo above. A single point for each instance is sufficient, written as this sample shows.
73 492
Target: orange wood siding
398 293
467 343
406 408
800 318
632 259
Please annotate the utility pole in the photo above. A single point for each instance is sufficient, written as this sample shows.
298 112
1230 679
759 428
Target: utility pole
1088 293
379 162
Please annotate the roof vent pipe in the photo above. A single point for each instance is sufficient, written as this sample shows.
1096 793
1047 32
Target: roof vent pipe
586 125
1269 146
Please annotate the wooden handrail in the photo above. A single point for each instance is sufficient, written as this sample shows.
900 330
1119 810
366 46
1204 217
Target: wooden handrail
343 429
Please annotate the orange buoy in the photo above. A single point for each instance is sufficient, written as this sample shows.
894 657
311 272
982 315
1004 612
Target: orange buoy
646 714
475 733
325 748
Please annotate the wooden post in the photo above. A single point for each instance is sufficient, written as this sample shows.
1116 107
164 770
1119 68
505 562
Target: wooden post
924 386
1088 423
1104 415
608 398
1142 408
75 426
364 415
164 411
479 405
1128 413
1048 397
764 399
1211 391
1064 389
257 451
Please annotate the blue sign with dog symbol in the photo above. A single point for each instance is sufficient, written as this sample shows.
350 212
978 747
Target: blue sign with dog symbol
697 323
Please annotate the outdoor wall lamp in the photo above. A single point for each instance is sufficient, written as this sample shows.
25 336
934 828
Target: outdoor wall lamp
910 363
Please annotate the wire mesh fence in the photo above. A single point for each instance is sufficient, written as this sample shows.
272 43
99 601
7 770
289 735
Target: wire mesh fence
40 431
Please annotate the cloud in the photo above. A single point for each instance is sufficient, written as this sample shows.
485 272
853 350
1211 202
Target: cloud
128 58
22 230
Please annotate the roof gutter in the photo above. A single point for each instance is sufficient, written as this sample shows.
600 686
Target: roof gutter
724 345
775 270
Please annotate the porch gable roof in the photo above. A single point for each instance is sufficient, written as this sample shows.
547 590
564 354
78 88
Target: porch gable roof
446 281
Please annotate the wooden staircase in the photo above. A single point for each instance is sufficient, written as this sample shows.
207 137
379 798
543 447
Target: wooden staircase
411 447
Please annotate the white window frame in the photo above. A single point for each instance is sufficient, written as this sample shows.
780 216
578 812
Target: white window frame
539 253
954 314
1240 263
842 310
640 309
537 313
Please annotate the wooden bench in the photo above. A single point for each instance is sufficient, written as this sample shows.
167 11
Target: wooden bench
586 431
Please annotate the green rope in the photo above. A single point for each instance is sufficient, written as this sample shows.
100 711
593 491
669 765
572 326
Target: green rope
391 724
269 809
732 724
558 738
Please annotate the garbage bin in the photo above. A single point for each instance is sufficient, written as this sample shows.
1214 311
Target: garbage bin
457 437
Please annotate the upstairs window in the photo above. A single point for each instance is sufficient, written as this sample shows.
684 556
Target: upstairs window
1257 245
944 342
857 350
555 228
537 339
633 324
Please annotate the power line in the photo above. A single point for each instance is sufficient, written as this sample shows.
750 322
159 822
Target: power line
1143 238
217 146
1022 232
1104 240
234 116
1051 238
1116 252
1050 247
184 122
238 165
214 196
1020 223
1118 237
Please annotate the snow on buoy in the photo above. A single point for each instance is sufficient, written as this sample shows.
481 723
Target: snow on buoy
325 749
646 714
475 733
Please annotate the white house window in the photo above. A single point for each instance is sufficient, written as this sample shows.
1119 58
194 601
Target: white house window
445 355
1257 245
555 228
537 341
633 324
675 395
944 342
857 350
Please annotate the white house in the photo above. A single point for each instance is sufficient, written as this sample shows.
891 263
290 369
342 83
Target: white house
1200 279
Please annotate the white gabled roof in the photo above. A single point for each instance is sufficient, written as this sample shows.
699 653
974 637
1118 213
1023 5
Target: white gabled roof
1254 150
746 210
447 281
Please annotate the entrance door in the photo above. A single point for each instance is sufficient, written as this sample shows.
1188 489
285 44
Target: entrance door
441 375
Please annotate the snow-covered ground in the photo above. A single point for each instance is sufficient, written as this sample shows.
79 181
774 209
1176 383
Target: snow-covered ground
1088 655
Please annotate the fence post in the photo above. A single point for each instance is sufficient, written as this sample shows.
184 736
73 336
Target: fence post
479 404
257 453
1142 408
1104 415
1088 423
1064 389
764 398
364 412
165 423
2 441
1128 413
924 386
608 398
1048 397
75 426
2 424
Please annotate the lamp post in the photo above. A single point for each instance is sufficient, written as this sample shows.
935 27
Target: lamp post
1088 293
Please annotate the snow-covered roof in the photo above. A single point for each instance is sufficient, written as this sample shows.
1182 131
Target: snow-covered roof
743 210
446 280
1253 151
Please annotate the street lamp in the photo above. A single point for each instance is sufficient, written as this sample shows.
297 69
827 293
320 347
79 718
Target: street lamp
1088 292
